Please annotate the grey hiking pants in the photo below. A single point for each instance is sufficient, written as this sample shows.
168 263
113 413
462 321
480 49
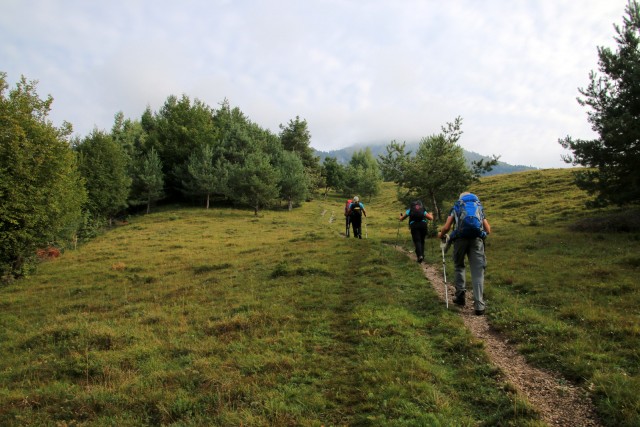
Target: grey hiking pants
473 249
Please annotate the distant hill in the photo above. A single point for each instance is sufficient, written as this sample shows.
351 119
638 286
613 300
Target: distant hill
344 156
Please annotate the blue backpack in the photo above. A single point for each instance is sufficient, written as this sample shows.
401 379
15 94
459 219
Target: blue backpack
468 214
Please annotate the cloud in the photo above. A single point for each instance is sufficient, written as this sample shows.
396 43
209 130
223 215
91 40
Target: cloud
390 70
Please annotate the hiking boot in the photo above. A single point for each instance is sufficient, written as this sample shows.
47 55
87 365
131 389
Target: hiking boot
459 300
420 259
479 312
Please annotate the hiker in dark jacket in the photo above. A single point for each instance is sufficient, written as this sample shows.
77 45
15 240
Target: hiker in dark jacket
471 228
418 217
355 212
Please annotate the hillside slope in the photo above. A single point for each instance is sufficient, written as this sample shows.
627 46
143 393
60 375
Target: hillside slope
198 317
568 299
195 317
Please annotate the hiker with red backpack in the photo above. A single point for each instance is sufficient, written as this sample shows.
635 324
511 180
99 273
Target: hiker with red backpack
418 217
347 217
471 228
355 212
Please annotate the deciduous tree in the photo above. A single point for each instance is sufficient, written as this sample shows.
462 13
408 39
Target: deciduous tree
40 188
362 175
333 173
438 171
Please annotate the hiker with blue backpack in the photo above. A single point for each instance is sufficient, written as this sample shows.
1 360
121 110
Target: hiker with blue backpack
471 228
355 212
418 217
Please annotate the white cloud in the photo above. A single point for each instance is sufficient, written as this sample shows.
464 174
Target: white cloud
390 70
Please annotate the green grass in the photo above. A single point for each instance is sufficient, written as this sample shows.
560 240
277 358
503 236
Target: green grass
195 317
568 298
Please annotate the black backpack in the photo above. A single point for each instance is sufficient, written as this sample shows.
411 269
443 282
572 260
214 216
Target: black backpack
356 210
416 212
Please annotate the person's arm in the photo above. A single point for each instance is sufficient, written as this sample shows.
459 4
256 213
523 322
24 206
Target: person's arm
446 227
403 216
486 226
364 212
428 215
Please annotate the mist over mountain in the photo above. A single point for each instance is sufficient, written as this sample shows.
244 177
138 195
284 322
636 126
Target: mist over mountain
378 148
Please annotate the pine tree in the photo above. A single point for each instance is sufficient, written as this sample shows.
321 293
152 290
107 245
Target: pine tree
293 181
613 175
208 175
150 178
104 166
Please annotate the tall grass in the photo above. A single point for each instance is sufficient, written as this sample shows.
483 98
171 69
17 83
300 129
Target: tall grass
196 317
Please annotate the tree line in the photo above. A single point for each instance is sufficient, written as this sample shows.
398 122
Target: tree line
57 188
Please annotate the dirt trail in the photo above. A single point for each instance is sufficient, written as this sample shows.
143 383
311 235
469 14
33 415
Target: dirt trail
558 402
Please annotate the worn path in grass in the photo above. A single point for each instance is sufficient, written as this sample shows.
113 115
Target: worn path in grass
558 402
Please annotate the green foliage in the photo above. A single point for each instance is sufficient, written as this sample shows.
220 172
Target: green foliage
254 183
293 184
614 99
438 171
333 173
393 163
180 128
362 175
295 137
209 176
130 135
149 178
40 187
104 166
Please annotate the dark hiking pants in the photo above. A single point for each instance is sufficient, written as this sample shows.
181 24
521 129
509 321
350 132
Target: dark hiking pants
356 223
418 234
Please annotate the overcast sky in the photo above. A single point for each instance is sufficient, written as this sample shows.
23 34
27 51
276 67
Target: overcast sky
357 71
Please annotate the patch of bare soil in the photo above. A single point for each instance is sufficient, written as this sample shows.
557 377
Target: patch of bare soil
559 402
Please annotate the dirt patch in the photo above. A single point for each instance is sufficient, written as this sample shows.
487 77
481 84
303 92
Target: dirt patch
559 402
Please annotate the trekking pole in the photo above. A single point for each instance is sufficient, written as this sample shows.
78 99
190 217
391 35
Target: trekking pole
443 244
398 233
366 232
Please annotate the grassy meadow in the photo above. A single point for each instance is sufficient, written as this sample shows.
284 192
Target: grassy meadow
199 317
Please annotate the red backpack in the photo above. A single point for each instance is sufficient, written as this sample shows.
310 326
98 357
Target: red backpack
346 207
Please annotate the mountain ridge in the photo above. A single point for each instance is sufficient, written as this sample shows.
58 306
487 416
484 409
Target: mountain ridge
343 156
